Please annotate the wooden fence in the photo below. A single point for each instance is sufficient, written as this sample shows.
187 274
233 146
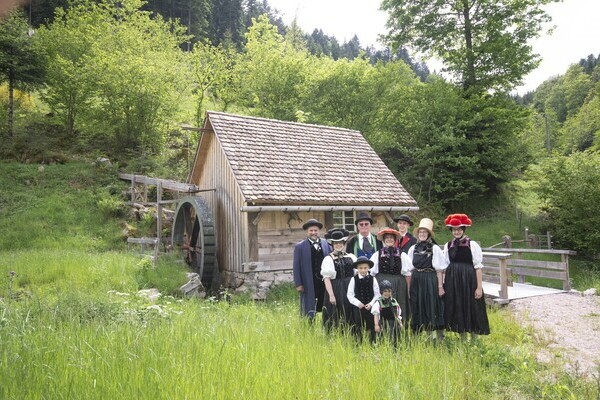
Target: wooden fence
500 269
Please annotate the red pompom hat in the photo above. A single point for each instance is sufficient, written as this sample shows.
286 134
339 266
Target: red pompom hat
457 220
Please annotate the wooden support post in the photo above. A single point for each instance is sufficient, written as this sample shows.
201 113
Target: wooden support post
133 189
253 236
503 292
159 213
567 281
549 238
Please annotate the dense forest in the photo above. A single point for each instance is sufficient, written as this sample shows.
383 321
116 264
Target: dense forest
120 79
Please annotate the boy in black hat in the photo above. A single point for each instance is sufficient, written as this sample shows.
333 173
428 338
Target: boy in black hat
363 292
308 256
406 239
364 244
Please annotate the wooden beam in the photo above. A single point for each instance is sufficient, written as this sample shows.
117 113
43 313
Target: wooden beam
166 183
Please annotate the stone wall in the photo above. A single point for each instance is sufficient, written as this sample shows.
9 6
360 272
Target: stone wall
257 283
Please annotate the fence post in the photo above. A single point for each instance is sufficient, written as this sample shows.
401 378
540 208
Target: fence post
549 238
527 243
503 292
567 281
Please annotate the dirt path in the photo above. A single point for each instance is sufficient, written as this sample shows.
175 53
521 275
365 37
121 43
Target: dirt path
569 323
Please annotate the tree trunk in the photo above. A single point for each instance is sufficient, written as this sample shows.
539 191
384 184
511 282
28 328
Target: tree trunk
469 78
11 103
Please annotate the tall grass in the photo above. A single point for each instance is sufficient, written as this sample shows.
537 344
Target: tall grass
192 349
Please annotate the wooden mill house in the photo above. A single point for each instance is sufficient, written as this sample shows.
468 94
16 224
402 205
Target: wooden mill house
270 176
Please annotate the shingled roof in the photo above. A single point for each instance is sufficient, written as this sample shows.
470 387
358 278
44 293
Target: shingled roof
281 162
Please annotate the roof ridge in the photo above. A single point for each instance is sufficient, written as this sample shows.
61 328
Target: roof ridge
279 121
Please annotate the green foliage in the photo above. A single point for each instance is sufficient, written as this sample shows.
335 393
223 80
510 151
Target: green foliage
22 64
116 72
484 43
569 188
167 275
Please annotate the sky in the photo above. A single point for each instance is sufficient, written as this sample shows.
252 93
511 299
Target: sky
576 30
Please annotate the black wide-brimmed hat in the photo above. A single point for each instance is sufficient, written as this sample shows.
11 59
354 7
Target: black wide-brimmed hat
404 217
363 216
337 235
312 222
362 260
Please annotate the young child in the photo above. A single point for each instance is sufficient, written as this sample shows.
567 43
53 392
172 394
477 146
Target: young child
387 313
363 292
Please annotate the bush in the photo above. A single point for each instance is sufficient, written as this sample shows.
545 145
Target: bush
568 186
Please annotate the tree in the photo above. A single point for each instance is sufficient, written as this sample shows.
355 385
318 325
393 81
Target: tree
22 63
115 71
484 43
568 186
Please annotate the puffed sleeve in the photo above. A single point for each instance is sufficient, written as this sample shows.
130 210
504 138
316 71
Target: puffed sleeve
406 264
439 260
477 254
328 268
446 255
375 269
411 254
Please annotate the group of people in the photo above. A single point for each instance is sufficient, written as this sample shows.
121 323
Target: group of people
381 283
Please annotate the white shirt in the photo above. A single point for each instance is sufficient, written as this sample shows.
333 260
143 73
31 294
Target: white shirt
328 267
351 296
476 252
438 259
406 264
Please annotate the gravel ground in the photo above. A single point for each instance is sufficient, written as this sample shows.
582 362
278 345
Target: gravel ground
569 324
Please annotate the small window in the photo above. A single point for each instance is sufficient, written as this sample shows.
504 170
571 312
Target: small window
344 219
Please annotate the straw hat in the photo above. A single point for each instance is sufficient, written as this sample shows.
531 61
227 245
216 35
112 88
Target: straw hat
425 223
388 231
458 220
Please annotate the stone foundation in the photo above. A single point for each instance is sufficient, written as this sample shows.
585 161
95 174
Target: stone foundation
258 283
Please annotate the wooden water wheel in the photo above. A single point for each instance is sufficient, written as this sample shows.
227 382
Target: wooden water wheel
194 236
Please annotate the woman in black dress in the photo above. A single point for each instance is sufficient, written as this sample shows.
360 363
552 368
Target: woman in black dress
337 270
426 288
464 304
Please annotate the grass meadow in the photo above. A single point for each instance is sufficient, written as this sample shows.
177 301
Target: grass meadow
73 327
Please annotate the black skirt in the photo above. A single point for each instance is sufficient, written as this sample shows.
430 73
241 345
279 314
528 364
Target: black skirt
426 305
462 311
339 314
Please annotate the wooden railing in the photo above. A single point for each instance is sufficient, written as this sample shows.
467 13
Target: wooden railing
538 268
497 271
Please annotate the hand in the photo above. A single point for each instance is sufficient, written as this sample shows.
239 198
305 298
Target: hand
377 328
361 306
368 307
478 293
332 299
300 288
441 291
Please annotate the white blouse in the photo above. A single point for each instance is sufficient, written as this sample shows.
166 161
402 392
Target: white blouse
406 264
438 259
328 267
476 252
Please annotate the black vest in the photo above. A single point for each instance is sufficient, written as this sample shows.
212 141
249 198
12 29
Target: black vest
387 309
363 289
343 267
390 261
316 257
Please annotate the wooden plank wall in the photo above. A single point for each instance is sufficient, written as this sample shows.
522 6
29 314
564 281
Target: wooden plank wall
231 226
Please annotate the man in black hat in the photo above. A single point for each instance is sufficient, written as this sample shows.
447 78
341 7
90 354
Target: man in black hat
406 239
308 257
364 244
